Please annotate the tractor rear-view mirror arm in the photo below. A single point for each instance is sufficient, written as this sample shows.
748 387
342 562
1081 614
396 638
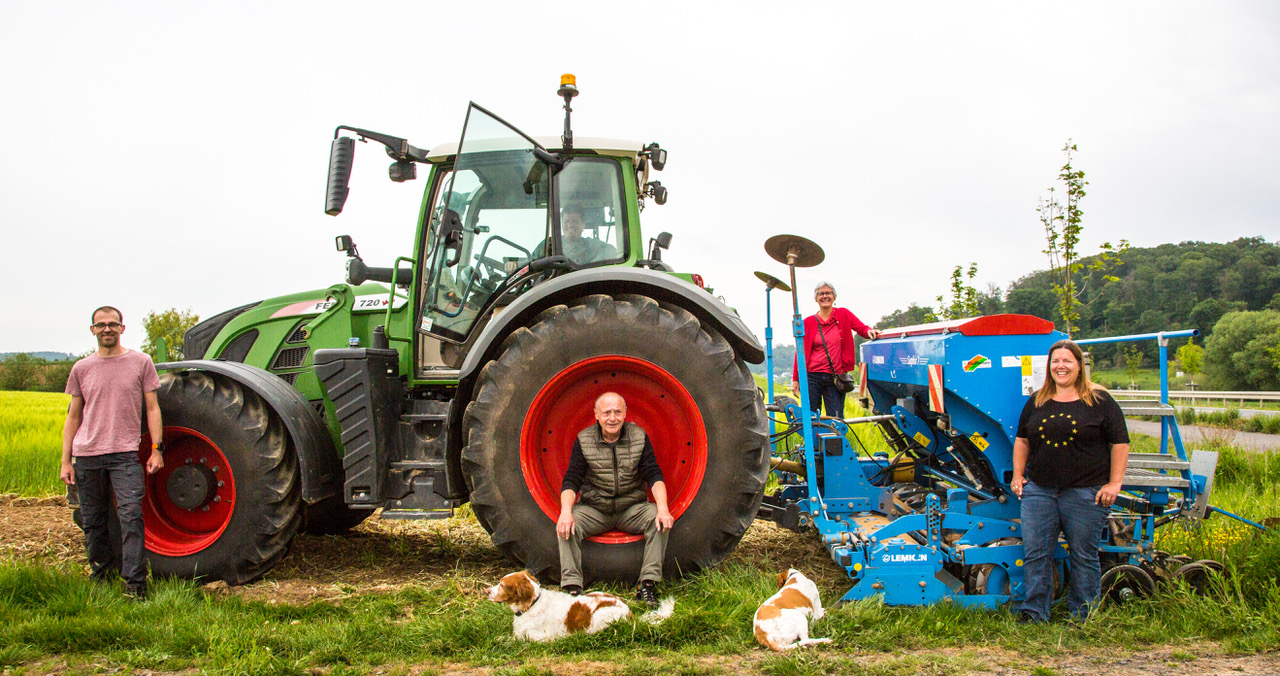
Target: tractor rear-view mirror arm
397 148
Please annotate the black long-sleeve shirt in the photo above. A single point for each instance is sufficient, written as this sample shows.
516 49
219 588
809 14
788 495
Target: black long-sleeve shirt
648 470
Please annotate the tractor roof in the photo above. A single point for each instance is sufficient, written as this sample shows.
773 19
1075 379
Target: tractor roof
601 146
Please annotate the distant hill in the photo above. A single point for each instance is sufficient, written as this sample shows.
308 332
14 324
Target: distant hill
1188 285
47 356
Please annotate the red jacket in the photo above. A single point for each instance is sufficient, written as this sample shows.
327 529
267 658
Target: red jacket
848 323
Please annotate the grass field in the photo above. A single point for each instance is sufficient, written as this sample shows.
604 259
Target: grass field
52 619
31 441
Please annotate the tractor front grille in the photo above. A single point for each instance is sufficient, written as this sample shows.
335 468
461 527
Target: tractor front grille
289 357
298 335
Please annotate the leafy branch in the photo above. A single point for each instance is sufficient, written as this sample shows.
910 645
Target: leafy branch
1063 223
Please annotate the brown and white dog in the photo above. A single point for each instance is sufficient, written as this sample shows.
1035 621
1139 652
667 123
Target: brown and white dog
546 614
782 621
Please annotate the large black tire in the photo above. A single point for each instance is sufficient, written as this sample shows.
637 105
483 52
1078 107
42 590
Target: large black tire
586 331
210 418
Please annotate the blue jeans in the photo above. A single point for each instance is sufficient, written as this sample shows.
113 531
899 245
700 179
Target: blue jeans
1071 511
822 391
98 479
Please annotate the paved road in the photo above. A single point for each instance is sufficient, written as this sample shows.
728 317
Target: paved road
1192 434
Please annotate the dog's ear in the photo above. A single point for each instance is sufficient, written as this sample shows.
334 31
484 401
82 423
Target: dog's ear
782 578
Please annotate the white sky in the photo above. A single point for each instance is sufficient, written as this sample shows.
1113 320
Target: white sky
173 154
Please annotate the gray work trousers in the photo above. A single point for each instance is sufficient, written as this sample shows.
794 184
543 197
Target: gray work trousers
639 518
98 479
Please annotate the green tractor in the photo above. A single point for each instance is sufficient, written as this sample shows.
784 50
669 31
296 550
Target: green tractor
463 372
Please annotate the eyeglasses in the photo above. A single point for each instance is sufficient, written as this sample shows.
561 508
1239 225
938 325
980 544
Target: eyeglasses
114 326
824 294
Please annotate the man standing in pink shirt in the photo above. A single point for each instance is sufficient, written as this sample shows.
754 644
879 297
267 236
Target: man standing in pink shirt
109 390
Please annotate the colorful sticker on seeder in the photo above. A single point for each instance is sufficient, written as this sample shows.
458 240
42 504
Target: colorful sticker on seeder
979 441
922 439
977 362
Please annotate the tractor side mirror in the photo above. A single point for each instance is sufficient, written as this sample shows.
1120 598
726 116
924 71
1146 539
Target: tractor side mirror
341 154
344 242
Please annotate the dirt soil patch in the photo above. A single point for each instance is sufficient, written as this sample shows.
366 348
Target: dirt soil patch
384 555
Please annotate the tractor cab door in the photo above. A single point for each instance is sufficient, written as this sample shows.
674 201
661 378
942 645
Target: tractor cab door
491 217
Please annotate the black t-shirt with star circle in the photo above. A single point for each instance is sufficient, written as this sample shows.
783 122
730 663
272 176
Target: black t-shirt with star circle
1071 441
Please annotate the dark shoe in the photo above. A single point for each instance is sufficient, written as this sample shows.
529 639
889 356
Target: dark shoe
572 589
1026 618
648 592
137 593
104 575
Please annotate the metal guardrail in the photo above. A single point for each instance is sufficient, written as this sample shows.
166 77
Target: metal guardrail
1204 396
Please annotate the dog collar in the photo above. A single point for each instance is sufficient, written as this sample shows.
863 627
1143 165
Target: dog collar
535 600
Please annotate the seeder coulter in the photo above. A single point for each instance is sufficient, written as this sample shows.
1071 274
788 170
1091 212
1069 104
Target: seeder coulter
933 517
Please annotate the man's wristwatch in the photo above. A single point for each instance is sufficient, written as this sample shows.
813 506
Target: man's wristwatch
158 447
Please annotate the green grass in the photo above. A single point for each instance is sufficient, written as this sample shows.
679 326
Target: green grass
53 618
31 442
1230 419
54 612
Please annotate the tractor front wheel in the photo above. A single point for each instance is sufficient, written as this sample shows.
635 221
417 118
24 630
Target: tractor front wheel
226 504
683 384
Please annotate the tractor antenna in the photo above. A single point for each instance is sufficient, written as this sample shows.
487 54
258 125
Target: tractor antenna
568 89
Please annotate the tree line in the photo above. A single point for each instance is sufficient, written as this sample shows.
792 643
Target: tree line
1230 292
31 373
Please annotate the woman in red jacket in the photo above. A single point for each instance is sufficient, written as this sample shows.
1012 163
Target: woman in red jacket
828 350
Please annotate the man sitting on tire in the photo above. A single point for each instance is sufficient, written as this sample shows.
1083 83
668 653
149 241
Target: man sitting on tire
610 463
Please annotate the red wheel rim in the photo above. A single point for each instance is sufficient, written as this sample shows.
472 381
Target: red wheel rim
656 401
172 530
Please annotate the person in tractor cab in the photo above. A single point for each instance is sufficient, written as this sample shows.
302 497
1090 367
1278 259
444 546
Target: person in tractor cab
610 463
579 249
109 389
829 351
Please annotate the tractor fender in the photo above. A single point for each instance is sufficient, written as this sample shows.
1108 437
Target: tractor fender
612 280
318 462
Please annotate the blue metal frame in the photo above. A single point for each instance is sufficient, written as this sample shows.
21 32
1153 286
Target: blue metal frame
912 551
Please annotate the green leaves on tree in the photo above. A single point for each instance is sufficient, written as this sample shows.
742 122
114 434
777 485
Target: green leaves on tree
171 325
1063 223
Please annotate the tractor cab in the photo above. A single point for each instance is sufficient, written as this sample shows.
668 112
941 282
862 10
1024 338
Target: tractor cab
508 213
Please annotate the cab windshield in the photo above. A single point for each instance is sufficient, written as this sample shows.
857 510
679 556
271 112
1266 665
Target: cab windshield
491 214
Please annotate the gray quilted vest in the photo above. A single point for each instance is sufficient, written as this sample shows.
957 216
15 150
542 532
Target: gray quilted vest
611 484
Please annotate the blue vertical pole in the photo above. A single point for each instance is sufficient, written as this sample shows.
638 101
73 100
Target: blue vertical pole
811 454
1165 421
768 351
768 339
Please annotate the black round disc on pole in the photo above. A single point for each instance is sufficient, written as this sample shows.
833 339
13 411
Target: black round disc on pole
794 250
773 282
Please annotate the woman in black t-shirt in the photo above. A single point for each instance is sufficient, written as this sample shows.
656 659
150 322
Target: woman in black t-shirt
1068 466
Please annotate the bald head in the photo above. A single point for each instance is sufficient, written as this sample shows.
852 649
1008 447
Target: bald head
611 412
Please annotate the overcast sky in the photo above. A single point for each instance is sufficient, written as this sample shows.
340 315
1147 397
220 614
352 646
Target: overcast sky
173 154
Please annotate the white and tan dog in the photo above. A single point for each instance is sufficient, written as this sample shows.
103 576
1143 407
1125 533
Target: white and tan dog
782 621
546 614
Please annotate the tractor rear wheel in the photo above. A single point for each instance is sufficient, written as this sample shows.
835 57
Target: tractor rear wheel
227 503
683 385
